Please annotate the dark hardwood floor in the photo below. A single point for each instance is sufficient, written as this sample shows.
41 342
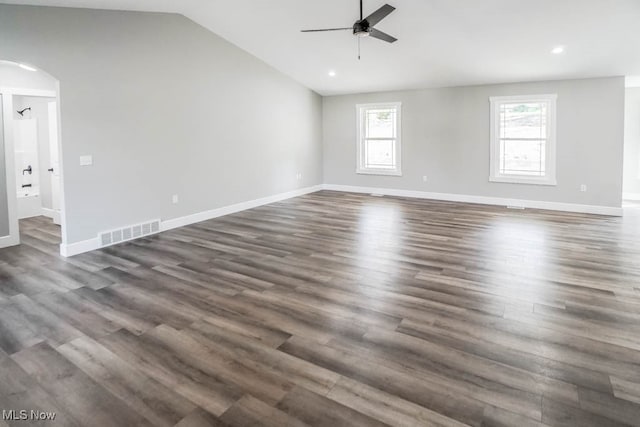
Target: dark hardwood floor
331 309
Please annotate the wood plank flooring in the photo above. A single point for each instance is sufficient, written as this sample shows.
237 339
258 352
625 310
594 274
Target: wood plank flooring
331 309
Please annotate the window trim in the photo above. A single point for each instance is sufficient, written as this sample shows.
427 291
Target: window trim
360 169
550 148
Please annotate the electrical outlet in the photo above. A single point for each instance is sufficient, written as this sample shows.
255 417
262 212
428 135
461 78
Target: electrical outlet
86 160
174 199
583 188
299 176
424 178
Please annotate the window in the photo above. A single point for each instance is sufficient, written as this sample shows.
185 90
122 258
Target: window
523 139
379 139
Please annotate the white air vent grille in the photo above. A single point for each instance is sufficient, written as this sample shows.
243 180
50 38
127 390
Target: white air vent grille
109 238
105 239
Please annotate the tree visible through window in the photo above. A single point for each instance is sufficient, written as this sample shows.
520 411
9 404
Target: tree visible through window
379 139
523 139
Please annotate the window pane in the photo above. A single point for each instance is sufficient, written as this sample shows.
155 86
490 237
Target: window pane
380 154
380 123
522 157
523 120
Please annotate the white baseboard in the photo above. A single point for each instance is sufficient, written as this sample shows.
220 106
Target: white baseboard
51 213
94 243
631 196
76 248
47 212
71 249
449 197
226 210
7 241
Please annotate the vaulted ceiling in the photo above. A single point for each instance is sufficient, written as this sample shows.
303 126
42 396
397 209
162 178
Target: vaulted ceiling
441 42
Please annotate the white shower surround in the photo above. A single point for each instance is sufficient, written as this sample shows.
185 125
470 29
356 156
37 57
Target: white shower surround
29 203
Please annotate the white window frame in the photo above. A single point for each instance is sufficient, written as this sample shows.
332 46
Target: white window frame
360 110
550 148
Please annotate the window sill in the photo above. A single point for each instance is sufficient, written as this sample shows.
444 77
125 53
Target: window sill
379 172
523 180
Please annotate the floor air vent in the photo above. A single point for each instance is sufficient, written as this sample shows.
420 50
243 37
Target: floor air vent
112 237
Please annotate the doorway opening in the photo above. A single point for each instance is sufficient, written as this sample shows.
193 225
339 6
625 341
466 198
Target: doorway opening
31 199
631 171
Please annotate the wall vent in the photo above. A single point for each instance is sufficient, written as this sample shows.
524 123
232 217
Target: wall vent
105 239
108 238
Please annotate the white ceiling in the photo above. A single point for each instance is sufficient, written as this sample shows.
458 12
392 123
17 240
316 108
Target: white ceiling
441 42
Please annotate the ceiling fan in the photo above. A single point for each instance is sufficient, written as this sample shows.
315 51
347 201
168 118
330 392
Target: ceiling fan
364 26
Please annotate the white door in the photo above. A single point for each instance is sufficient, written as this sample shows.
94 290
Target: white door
54 161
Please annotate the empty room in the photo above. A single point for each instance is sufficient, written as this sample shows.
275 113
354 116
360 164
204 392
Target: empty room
319 213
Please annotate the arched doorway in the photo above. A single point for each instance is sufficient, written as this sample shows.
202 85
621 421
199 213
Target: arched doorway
31 190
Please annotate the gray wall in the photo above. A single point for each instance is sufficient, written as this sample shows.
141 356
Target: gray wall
40 111
445 135
631 184
165 107
4 212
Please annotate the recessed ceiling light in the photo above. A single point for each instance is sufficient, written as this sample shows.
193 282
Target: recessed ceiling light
26 67
557 50
332 73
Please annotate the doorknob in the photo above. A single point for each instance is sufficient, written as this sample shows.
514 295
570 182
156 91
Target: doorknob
50 169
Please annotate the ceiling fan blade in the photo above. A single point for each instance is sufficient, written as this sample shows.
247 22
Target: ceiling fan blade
379 14
326 29
382 36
